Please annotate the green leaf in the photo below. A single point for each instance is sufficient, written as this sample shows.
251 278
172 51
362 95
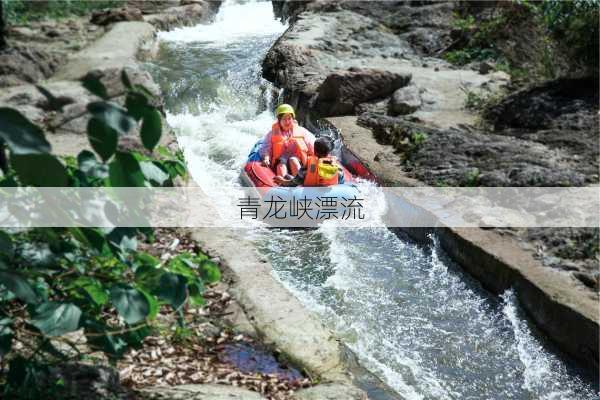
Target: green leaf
151 129
173 289
39 170
90 166
6 246
143 90
148 277
111 344
113 115
196 289
6 335
144 258
153 302
125 79
102 137
18 285
22 136
95 239
137 105
125 171
95 86
209 271
131 304
182 265
56 319
153 173
93 289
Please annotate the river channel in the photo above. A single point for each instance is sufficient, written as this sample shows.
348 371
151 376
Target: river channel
409 313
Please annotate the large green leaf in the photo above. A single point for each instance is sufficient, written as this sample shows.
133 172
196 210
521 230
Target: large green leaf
153 173
137 105
55 319
91 237
131 304
94 85
173 289
112 115
209 271
148 277
6 246
93 289
22 136
18 285
102 137
40 170
151 129
125 171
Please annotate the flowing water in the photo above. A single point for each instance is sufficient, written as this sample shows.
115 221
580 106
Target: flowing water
409 313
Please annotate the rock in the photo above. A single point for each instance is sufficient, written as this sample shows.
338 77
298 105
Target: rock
455 157
199 392
21 64
109 16
485 67
186 15
405 100
376 106
563 103
342 91
83 381
330 391
208 330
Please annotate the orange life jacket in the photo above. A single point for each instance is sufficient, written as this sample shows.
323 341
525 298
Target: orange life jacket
321 171
294 144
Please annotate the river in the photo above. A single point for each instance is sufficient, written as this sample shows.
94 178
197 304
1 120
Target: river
412 316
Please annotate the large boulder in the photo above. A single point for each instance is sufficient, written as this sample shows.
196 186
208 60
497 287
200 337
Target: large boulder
563 104
22 64
109 16
342 91
405 100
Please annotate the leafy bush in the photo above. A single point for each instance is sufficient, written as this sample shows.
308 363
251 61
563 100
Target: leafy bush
575 23
59 280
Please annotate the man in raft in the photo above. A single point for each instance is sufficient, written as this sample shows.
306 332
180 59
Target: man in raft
322 169
287 143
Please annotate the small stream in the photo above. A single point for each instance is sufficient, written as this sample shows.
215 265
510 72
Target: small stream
410 314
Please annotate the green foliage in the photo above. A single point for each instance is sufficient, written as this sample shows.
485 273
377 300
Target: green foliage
575 23
22 11
58 280
471 178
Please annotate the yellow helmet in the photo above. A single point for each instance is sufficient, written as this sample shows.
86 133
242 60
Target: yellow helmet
285 109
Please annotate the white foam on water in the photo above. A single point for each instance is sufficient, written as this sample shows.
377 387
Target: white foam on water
543 372
234 23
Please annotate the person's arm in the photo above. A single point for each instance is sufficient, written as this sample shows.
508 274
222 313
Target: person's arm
265 150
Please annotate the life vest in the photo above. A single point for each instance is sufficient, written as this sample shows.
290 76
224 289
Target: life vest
321 171
294 144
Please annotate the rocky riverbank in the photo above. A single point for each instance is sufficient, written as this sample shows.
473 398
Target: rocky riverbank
375 73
